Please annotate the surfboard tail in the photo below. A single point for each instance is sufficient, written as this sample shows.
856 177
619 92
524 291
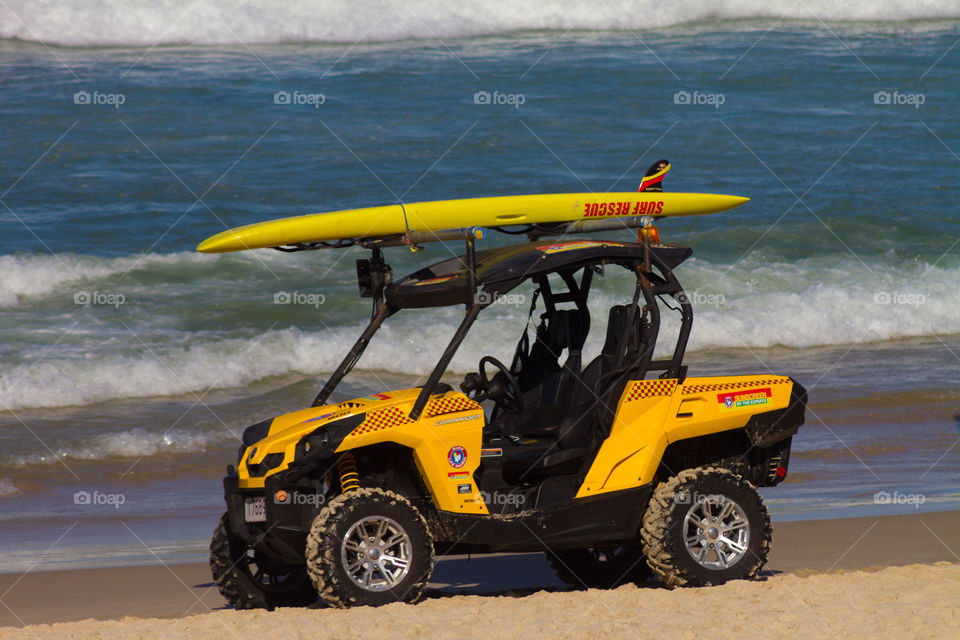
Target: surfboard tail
653 178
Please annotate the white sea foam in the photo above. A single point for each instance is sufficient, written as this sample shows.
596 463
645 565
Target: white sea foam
26 277
757 304
132 443
151 22
7 488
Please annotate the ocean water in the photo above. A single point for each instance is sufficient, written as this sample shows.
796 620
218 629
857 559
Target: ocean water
134 130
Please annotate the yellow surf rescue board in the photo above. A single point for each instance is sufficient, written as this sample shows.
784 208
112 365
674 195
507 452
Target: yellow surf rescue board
440 215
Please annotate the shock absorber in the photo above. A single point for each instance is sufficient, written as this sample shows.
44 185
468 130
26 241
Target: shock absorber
349 472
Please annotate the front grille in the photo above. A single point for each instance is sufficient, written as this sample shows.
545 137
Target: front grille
270 461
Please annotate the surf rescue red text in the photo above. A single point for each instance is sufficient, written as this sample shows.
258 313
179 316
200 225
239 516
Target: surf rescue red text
601 209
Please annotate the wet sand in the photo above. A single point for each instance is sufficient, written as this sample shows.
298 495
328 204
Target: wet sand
818 569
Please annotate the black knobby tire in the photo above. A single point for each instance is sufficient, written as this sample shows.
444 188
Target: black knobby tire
601 568
666 529
246 586
328 557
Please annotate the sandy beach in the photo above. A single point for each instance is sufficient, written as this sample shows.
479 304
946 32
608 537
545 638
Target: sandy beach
891 576
916 601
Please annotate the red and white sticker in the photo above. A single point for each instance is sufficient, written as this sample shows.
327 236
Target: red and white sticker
457 457
745 398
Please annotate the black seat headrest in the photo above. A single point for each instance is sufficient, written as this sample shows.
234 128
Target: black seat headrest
569 328
618 324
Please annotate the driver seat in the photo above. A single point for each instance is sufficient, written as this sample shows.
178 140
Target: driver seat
562 454
577 432
549 389
618 325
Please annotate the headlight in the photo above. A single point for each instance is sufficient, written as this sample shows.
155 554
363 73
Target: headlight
313 442
322 442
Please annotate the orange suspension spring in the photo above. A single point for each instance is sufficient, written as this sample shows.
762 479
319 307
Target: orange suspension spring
349 473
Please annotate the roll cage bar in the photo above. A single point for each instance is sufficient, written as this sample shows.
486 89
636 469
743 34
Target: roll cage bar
654 280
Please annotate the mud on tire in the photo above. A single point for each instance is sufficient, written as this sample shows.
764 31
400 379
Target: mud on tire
698 508
247 586
601 568
369 547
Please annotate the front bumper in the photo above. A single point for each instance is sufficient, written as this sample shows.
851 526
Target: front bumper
290 509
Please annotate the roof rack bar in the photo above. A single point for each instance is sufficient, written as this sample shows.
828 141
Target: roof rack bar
587 226
422 237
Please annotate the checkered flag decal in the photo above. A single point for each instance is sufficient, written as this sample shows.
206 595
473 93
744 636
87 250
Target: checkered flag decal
449 405
380 420
396 417
650 388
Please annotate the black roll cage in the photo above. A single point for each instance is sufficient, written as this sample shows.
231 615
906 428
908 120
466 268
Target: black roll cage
651 285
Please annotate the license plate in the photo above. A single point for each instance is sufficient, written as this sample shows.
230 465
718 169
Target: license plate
255 509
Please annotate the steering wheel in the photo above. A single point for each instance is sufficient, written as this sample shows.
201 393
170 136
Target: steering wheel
503 388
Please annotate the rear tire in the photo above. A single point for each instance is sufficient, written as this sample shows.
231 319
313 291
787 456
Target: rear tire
246 584
706 526
369 547
601 567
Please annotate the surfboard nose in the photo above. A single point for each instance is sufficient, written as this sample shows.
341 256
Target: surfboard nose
229 240
213 244
719 200
733 201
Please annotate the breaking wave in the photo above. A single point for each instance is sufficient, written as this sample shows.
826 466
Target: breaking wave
133 443
82 23
756 303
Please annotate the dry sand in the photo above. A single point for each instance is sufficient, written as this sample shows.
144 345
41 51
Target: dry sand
803 594
916 601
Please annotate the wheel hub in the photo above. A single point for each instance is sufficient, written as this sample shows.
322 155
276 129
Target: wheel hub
376 553
716 532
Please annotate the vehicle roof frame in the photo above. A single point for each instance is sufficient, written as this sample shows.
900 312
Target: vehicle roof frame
652 285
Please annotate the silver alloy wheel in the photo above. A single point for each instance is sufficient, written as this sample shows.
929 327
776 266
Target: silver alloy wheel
376 553
716 532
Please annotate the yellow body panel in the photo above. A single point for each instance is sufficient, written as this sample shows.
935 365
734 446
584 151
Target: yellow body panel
285 432
449 421
651 414
654 413
699 406
470 212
